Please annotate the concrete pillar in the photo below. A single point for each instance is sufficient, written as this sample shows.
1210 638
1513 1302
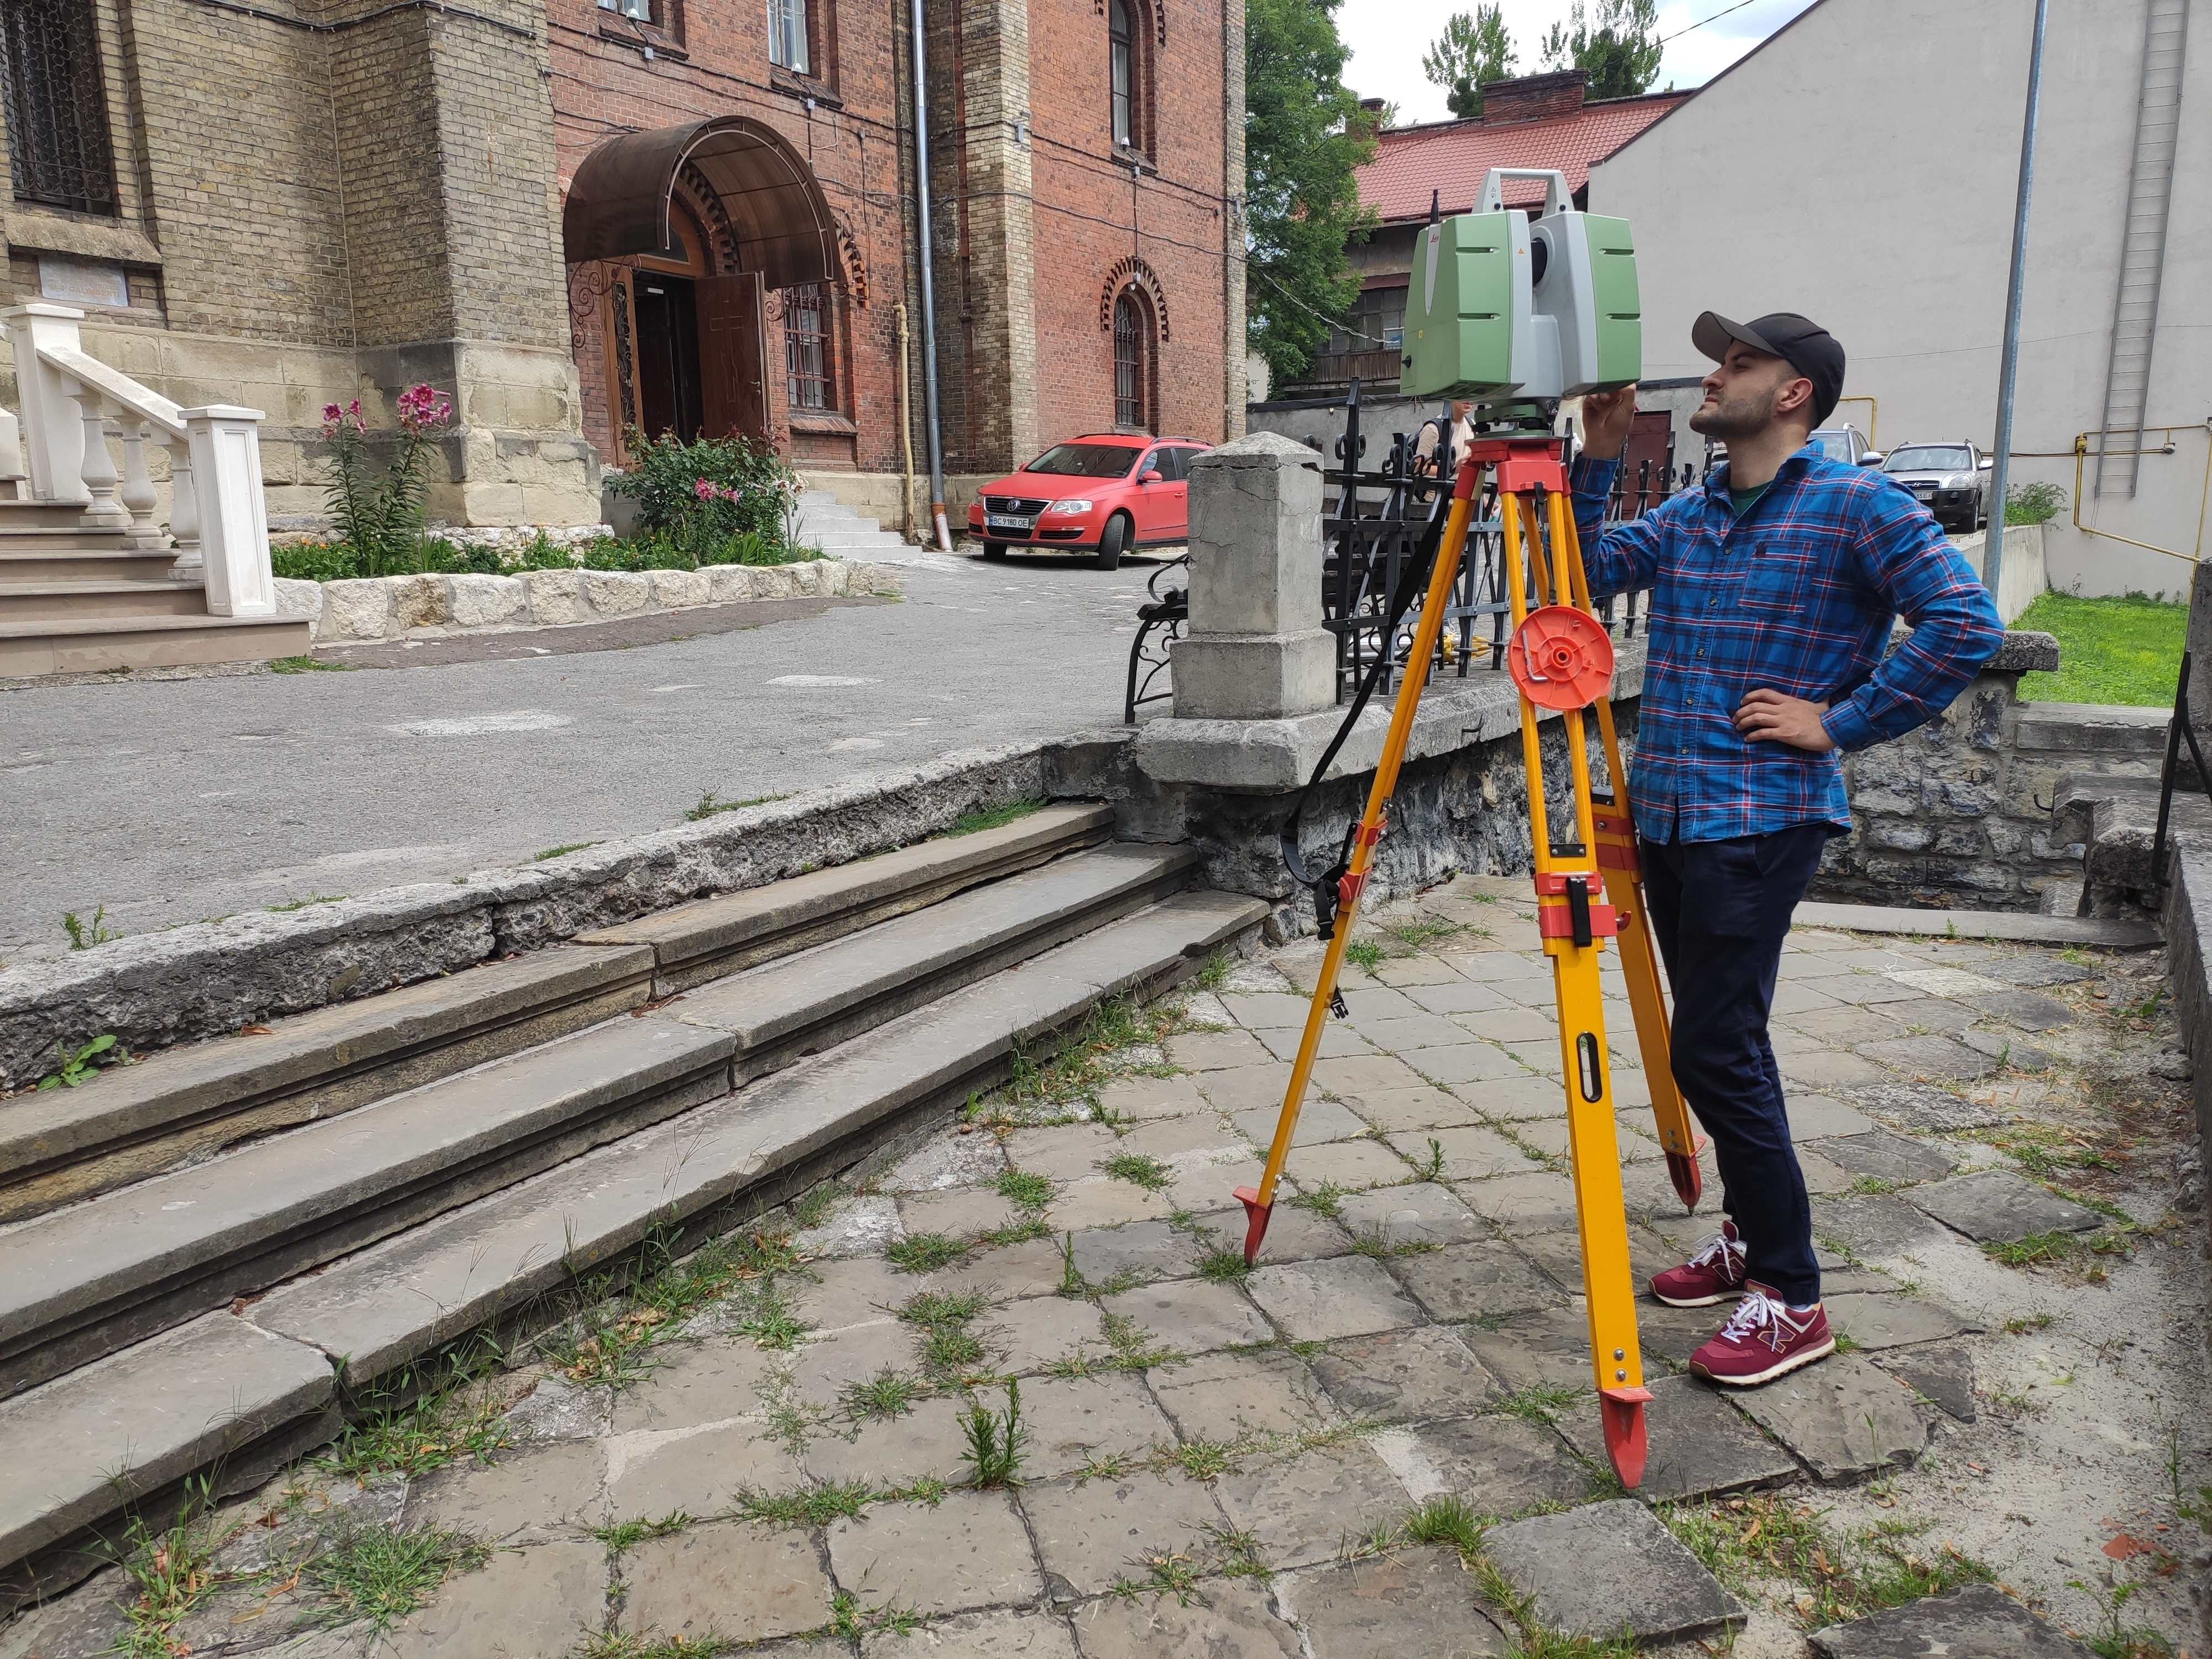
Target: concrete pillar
1256 649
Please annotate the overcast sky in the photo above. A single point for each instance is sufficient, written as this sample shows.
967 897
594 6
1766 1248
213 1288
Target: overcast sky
1387 41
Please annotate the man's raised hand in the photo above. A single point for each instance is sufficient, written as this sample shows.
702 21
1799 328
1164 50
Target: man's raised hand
1606 419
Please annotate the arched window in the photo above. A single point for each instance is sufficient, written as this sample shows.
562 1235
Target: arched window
1133 376
1125 73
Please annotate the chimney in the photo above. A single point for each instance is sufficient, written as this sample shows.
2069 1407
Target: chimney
1369 118
1534 97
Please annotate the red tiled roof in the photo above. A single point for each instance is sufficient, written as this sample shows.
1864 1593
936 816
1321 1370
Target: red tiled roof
1453 156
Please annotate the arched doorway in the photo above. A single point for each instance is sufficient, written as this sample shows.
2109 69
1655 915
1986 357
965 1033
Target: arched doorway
681 235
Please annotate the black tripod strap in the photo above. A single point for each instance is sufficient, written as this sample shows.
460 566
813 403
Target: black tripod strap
1413 580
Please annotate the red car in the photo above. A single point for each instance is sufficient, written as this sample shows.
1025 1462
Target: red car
1106 494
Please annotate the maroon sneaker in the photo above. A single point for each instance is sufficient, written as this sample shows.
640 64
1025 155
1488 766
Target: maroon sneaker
1713 1274
1764 1339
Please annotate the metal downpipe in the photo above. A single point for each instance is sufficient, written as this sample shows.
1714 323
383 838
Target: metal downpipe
928 283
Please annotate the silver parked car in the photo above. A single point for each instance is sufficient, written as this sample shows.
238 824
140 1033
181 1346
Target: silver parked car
1845 444
1951 480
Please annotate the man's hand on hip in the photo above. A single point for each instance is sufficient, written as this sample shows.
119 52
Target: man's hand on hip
1607 416
1769 717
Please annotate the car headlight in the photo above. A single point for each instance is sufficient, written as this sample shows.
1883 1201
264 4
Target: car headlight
1959 482
1074 504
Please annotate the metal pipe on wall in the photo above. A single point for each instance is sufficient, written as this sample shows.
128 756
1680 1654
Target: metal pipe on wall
2008 372
928 283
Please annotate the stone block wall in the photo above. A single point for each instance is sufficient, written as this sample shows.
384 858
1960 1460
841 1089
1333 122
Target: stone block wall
1959 813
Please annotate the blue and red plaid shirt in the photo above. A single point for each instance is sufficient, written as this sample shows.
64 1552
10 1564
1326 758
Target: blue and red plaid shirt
1799 595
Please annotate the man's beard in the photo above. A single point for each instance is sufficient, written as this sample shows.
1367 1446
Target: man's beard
1745 416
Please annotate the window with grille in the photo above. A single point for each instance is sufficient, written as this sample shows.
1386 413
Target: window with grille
806 354
787 34
1124 73
1132 365
57 111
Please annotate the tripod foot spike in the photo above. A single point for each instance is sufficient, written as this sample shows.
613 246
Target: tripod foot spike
1255 1221
1689 1181
1622 1410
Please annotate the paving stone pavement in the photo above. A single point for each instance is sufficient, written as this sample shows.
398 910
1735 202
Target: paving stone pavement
1382 1440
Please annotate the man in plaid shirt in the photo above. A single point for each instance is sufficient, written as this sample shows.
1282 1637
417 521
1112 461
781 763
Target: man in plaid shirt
1775 587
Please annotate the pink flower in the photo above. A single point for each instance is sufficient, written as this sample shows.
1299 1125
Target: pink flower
704 490
336 420
422 405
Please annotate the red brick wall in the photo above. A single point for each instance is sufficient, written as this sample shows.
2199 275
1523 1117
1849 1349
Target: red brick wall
1084 217
600 88
1091 217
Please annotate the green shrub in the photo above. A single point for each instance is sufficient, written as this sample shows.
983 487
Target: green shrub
2034 503
699 497
313 561
331 562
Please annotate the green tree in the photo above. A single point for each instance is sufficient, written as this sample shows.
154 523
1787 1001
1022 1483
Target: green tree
1471 51
1304 132
1620 48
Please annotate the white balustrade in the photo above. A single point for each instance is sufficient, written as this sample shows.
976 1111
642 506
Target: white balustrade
218 521
97 469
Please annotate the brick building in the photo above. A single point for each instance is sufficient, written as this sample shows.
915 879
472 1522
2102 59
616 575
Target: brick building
295 202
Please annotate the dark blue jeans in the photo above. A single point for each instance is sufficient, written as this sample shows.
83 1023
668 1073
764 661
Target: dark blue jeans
1720 911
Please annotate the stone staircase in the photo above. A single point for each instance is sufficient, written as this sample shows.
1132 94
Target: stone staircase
208 1258
840 531
76 595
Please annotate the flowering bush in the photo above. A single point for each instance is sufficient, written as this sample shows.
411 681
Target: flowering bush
719 500
381 518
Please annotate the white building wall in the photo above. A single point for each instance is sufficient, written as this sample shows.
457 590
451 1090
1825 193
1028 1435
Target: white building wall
1860 167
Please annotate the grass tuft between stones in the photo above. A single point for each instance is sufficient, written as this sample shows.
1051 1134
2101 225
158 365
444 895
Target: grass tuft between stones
377 1573
1816 1575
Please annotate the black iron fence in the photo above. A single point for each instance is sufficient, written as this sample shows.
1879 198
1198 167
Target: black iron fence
1373 520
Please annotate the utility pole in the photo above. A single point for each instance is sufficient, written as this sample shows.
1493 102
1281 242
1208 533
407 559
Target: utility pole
2008 372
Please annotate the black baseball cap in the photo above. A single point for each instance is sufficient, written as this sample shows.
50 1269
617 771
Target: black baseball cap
1798 341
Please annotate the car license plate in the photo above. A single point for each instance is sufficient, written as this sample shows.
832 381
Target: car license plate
1924 491
1008 521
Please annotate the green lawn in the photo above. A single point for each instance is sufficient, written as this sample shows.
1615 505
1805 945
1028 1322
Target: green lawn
2109 650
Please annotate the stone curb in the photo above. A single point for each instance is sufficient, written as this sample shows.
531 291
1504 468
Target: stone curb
430 606
191 982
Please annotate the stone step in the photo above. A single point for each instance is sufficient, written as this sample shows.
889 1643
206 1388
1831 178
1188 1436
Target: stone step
34 601
184 1104
841 519
19 514
28 565
693 943
214 1397
84 1281
2115 820
98 644
82 1443
805 1004
839 539
391 1305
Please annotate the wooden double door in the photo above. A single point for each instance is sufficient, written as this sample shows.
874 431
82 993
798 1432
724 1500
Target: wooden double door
688 347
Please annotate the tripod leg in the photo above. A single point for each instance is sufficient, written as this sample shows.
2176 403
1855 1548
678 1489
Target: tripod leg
1639 962
1573 927
1259 1201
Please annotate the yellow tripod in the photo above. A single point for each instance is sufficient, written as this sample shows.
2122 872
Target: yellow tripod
1560 657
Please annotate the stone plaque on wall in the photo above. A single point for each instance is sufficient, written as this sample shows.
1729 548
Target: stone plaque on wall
73 282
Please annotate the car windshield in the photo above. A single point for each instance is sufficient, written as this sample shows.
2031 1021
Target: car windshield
1085 460
1929 458
1836 446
